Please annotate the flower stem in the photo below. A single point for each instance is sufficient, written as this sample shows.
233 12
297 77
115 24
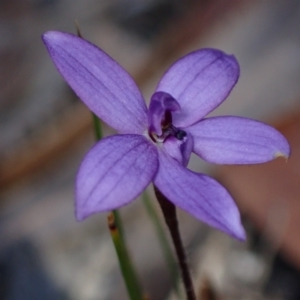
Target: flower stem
169 212
163 240
116 231
97 128
129 275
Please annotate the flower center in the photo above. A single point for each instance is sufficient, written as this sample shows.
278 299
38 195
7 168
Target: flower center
168 130
176 142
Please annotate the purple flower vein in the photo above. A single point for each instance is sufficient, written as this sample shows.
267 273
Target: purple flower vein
116 161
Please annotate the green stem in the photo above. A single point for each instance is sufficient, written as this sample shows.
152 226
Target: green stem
129 274
164 242
97 128
117 235
119 223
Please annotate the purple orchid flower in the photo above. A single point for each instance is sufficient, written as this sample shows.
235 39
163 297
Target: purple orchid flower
156 144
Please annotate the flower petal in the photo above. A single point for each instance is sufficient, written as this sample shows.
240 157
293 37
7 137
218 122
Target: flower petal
113 173
199 195
160 104
100 82
236 140
199 81
181 150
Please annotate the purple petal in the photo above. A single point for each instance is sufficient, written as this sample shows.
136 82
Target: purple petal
236 140
113 173
199 195
200 81
100 82
181 150
160 104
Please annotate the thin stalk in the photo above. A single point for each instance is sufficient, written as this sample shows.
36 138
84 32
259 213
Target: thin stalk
164 242
117 234
119 224
129 275
97 128
169 212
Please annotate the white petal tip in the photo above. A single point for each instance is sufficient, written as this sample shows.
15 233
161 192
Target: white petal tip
283 155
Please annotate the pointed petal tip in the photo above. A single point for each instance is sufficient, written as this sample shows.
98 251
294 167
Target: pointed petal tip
79 216
81 213
51 35
234 226
283 155
285 150
239 234
47 34
46 37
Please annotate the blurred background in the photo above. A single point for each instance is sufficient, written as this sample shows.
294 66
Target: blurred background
45 132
